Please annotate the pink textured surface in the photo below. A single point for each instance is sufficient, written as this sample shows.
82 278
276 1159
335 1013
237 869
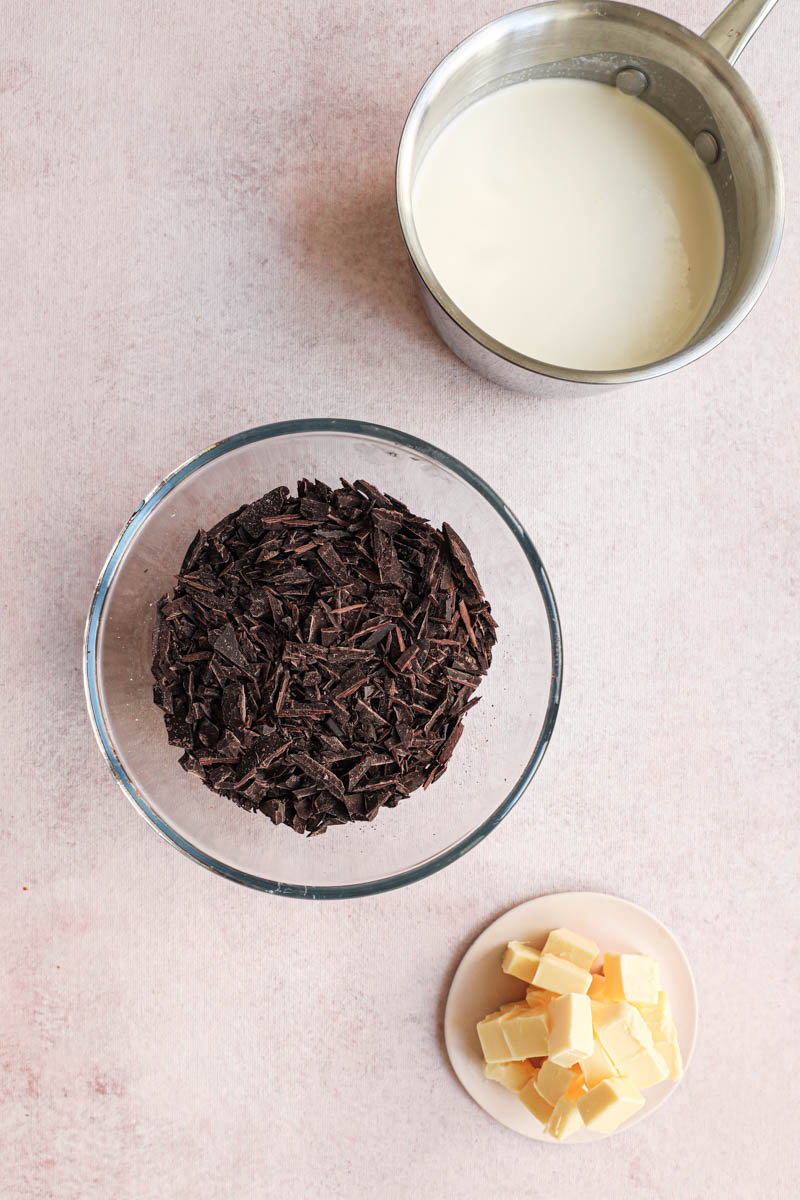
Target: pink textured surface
197 235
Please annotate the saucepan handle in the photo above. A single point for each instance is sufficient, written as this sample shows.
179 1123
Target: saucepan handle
736 24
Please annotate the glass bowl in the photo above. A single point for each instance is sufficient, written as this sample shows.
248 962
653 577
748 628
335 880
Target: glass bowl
505 736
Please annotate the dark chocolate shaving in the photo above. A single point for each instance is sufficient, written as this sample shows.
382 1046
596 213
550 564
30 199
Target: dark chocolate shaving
318 653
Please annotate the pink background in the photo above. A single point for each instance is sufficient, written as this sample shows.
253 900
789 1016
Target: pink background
198 236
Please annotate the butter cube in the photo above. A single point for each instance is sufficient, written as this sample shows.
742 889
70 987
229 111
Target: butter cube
512 1075
659 1021
670 1051
537 996
565 944
621 1030
493 1043
560 975
597 1067
564 1119
526 1031
535 1103
631 977
577 1087
521 961
658 1017
597 988
605 1106
645 1068
553 1081
571 1033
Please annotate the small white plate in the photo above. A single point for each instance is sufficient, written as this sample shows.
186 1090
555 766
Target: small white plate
479 986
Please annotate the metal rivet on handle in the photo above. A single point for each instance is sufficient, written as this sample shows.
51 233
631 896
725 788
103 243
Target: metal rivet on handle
631 81
707 147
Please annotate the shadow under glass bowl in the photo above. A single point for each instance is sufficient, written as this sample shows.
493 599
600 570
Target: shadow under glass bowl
505 736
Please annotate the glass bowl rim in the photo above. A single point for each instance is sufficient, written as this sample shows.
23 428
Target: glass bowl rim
140 514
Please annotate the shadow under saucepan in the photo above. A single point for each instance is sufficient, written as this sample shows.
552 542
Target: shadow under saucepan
350 237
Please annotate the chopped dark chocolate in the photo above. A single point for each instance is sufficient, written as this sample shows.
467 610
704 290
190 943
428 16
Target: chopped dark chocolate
318 653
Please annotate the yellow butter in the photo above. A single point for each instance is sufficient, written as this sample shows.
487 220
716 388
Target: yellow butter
535 1103
597 987
645 1069
604 1037
598 1066
621 1030
521 961
553 1081
564 1119
631 977
564 943
537 996
493 1044
560 975
526 1031
670 1051
658 1017
571 1033
604 1107
512 1075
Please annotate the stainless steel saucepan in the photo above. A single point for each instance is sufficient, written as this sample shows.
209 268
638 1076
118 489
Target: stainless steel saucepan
690 79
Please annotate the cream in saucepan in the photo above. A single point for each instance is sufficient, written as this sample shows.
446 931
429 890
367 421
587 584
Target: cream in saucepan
572 223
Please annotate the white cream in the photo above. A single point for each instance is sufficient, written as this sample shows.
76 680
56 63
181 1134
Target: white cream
572 223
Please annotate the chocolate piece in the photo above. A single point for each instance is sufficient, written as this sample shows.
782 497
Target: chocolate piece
318 653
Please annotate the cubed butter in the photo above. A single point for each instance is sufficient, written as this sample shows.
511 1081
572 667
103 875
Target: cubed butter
493 1043
535 1103
645 1069
553 1081
537 996
512 1075
598 1066
631 977
621 1030
521 961
571 1033
527 1032
601 1039
560 975
564 1119
597 987
565 944
604 1107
